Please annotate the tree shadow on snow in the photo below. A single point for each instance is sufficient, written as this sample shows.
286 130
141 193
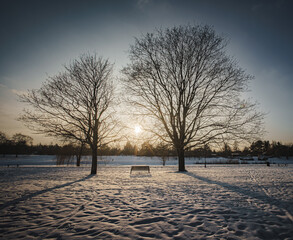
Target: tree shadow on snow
34 194
252 194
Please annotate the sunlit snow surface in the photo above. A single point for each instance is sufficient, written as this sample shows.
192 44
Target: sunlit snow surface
217 202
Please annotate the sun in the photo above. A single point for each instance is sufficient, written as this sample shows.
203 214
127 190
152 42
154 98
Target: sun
137 129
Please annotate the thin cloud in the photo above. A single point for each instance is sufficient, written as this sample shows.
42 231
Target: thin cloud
12 90
141 4
18 92
3 86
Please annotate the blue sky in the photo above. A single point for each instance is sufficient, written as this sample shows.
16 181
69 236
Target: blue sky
39 37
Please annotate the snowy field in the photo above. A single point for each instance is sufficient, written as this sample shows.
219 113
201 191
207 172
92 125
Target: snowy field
50 160
217 202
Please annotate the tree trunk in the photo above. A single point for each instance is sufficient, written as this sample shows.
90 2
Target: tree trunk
94 160
78 156
164 160
95 149
181 163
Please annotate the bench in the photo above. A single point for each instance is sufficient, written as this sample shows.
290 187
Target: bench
282 164
8 165
140 168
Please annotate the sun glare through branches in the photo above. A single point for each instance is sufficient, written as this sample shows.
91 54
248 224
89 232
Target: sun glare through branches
137 129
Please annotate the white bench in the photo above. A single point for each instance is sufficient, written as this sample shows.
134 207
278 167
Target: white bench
140 168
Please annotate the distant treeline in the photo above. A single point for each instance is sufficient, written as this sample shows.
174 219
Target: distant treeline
22 144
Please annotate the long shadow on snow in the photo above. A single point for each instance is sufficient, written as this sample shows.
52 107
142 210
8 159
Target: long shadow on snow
263 197
28 196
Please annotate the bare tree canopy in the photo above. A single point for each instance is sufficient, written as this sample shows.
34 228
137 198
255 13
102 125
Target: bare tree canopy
183 80
22 139
75 105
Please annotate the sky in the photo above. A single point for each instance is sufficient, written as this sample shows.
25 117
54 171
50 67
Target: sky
39 37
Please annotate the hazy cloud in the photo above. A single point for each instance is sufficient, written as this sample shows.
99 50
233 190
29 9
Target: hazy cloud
11 90
18 92
141 4
3 86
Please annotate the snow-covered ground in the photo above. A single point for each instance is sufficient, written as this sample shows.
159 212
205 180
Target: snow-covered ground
50 160
217 202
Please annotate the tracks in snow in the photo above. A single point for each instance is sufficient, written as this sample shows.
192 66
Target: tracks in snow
64 222
280 206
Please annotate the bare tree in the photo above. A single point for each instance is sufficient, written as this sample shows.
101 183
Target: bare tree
75 105
190 89
3 138
3 143
20 141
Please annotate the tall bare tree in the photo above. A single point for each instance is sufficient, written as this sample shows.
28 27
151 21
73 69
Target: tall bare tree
190 89
75 105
